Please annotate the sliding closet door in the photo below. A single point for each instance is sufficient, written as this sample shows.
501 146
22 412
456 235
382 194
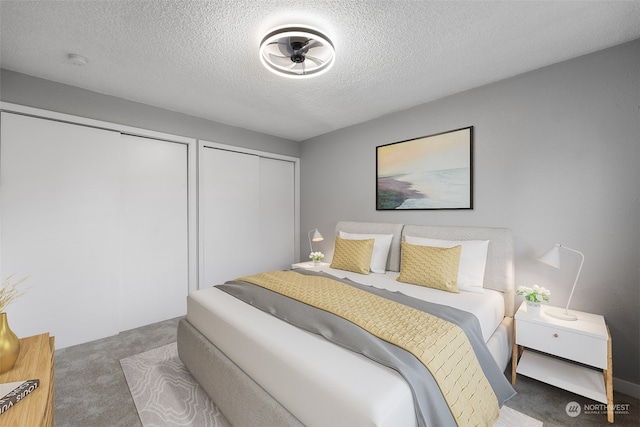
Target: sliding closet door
248 217
277 214
59 225
154 247
230 202
98 220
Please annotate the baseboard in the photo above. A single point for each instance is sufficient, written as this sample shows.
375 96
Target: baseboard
626 387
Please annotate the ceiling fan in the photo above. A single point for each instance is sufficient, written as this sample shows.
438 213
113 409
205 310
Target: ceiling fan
297 52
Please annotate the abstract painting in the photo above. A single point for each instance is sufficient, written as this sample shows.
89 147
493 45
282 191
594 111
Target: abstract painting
431 172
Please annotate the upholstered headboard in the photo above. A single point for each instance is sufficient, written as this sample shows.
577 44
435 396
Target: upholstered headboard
499 271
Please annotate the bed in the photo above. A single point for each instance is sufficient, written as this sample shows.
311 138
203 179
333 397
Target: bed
243 359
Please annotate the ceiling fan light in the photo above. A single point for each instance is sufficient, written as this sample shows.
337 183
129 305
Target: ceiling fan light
297 52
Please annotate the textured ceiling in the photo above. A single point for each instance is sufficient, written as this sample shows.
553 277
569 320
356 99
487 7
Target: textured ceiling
201 57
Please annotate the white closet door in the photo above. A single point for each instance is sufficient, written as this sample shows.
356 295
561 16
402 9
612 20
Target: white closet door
230 223
277 214
59 225
154 247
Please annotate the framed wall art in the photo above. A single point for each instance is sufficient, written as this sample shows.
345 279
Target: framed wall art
431 172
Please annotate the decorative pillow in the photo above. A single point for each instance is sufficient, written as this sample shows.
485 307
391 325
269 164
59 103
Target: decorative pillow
429 266
352 255
473 260
380 248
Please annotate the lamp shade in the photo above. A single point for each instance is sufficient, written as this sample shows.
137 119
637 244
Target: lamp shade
317 237
551 257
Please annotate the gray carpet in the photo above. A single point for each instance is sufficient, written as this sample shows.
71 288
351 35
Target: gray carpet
91 389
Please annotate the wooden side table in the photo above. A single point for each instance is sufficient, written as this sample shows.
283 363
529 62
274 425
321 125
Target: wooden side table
585 341
34 361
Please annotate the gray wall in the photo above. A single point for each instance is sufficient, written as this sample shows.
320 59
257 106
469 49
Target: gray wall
556 157
39 93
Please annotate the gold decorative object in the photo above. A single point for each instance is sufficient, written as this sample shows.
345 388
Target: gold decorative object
9 345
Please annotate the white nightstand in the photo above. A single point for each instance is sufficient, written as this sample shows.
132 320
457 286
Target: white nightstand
308 265
586 341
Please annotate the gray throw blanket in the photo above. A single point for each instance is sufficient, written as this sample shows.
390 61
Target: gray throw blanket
431 408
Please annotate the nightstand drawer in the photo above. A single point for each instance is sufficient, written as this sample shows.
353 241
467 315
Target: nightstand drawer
560 342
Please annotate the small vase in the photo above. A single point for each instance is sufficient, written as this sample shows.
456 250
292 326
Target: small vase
9 345
533 308
316 263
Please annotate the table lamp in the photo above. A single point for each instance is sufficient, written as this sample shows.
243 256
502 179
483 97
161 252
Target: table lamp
552 258
317 237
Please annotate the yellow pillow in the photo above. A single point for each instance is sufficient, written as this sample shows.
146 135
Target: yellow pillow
353 255
431 267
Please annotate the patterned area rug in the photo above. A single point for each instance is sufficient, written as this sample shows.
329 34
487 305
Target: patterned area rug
166 394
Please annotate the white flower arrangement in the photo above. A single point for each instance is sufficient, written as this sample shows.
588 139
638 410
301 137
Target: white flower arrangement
316 256
535 294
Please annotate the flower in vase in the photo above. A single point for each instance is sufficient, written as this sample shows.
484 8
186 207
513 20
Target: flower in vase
535 294
316 256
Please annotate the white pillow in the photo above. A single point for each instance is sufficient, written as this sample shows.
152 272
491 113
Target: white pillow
381 247
473 259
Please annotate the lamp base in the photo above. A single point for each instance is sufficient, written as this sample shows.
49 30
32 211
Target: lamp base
561 314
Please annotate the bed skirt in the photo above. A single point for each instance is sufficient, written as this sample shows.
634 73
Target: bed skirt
242 401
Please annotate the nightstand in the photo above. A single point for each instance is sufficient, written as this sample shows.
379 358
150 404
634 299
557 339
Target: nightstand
566 351
308 265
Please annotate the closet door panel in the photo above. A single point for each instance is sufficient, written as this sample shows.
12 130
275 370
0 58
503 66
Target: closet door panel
230 223
59 225
277 214
154 246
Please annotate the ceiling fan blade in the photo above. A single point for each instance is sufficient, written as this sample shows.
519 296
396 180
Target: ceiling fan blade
318 61
314 43
284 44
273 49
281 61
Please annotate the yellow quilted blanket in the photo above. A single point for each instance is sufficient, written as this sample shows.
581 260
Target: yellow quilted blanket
440 345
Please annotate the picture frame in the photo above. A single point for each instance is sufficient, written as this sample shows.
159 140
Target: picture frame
426 173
